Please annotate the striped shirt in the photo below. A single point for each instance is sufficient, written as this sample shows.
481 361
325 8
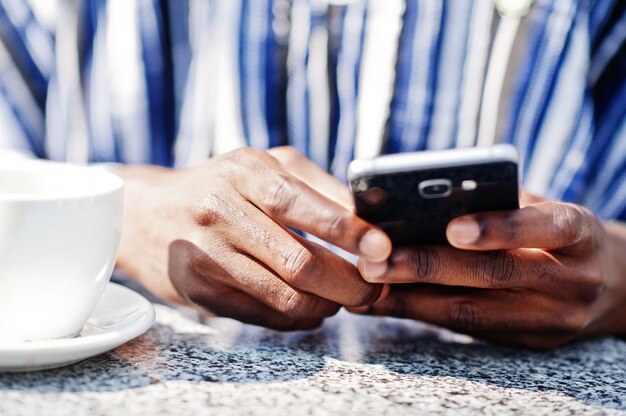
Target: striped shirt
173 82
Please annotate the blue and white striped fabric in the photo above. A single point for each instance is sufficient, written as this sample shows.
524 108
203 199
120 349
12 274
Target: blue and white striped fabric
172 82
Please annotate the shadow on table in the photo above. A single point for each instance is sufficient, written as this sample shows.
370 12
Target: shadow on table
252 355
593 372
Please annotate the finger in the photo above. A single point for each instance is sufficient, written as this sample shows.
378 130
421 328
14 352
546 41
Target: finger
291 202
201 283
312 268
444 265
469 310
301 264
549 225
298 165
230 303
247 275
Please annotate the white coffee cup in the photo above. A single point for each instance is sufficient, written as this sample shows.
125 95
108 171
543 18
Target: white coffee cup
60 227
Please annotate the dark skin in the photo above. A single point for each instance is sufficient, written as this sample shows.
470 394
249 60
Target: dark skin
539 277
217 237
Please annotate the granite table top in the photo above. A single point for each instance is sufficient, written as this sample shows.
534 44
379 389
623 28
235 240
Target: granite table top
187 365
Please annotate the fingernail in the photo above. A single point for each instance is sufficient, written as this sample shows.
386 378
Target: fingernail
373 270
375 245
464 231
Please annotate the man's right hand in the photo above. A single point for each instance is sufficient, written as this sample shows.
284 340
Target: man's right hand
219 236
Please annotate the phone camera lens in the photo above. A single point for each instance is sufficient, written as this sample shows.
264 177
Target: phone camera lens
435 188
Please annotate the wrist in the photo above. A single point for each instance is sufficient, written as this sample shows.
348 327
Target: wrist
143 251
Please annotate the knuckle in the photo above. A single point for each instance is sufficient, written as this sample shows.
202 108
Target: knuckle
247 156
570 223
278 198
212 209
425 263
495 268
503 267
240 163
300 265
296 305
208 211
478 264
236 160
464 316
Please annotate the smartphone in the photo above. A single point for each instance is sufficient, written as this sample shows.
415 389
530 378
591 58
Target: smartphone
413 196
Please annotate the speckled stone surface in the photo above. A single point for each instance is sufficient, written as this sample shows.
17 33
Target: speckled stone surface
352 365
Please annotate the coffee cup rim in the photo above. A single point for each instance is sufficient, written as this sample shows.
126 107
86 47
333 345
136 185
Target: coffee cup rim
108 182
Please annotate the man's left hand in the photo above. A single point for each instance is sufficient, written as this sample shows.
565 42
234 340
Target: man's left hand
539 277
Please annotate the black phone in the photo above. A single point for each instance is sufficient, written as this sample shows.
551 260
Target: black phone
413 196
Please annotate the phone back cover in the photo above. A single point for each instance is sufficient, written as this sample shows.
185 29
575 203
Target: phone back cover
393 202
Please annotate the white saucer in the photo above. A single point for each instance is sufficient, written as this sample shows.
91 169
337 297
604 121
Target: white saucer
120 316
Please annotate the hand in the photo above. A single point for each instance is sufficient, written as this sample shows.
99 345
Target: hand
219 236
539 277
